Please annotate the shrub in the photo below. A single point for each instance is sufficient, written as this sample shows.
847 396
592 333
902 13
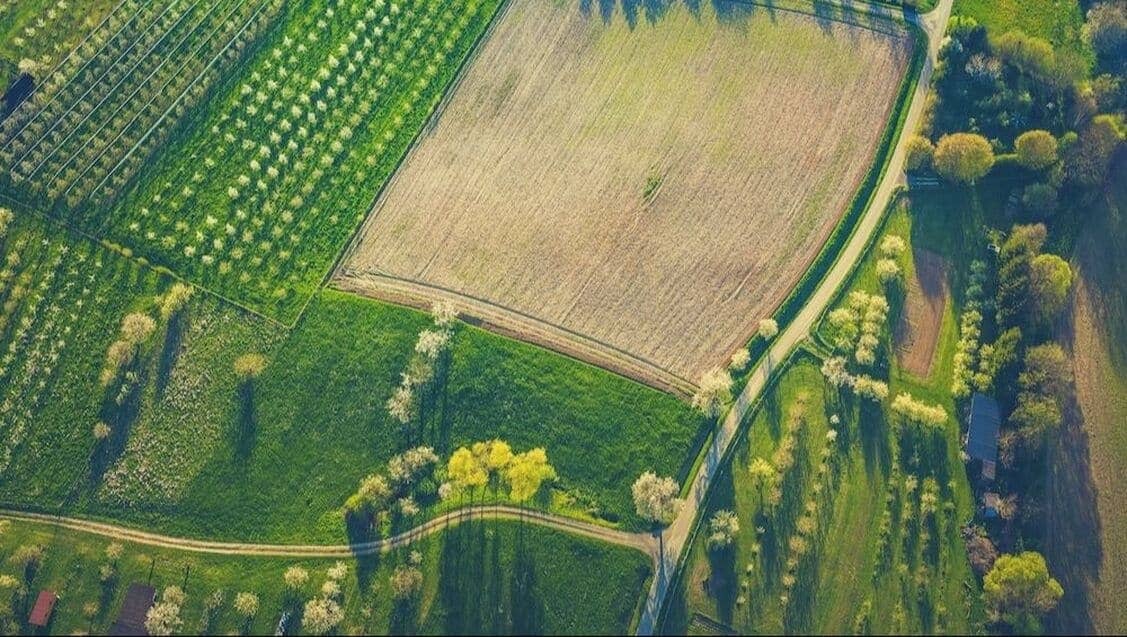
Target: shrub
249 366
1036 149
1039 200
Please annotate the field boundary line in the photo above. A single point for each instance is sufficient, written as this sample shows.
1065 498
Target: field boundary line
514 324
345 252
116 249
642 542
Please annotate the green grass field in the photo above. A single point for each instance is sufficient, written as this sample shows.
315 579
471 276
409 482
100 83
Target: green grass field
319 419
477 577
1058 21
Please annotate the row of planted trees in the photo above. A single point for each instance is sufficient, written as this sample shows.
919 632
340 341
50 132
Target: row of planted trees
417 478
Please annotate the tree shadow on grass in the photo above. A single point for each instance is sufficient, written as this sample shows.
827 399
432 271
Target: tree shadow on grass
120 417
873 430
799 613
526 605
461 578
170 351
405 616
773 412
246 425
723 579
1073 543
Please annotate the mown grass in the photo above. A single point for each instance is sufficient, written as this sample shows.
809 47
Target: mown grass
477 577
1058 21
319 424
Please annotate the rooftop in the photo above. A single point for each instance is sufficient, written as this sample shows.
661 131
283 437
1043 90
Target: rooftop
982 434
41 612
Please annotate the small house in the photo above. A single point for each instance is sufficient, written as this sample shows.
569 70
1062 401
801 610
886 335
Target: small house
41 612
982 434
131 620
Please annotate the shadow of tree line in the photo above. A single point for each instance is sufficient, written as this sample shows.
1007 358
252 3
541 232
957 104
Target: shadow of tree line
732 12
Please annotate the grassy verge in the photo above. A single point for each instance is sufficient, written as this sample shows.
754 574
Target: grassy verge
477 577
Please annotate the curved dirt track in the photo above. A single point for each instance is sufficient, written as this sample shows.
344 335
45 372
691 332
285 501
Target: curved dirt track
643 542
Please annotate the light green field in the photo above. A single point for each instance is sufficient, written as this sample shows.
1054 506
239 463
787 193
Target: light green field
177 464
1058 21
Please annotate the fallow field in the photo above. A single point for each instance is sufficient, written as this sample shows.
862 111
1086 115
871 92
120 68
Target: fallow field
636 192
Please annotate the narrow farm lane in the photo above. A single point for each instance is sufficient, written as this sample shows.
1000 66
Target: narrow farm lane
676 537
643 542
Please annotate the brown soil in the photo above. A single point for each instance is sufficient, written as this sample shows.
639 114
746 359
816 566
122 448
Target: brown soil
917 332
650 191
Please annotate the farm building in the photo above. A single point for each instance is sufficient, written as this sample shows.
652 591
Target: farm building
982 434
41 612
131 620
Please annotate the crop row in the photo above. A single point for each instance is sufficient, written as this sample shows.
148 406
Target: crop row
257 200
46 287
85 133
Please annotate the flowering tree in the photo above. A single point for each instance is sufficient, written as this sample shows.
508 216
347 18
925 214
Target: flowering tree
714 392
655 499
722 529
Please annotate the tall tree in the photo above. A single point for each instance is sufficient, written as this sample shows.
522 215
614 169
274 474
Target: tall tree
963 157
1050 279
1019 591
527 472
655 498
1036 149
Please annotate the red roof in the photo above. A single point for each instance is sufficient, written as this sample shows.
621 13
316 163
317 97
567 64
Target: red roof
41 613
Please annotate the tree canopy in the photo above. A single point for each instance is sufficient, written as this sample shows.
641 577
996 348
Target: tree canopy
1036 149
655 499
963 157
1019 591
1050 279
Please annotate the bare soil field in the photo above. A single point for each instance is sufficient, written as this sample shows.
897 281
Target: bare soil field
637 192
917 333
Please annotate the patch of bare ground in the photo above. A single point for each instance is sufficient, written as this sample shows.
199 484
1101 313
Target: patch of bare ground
917 331
636 195
1087 534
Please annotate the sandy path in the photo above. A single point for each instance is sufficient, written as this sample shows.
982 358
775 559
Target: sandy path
643 542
